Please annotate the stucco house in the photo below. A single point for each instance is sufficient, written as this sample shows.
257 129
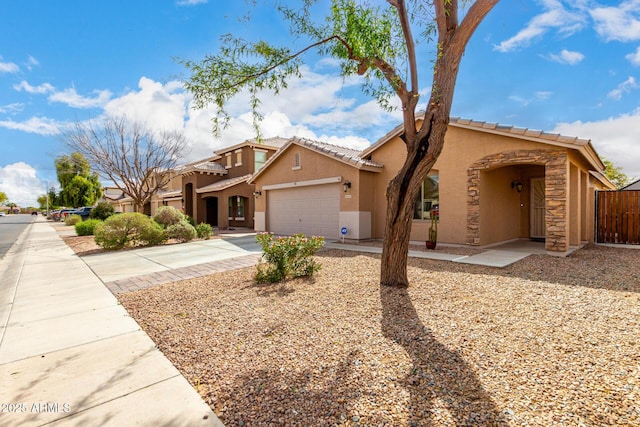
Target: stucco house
216 190
491 184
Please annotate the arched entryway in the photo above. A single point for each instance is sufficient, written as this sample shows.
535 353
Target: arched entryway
495 206
188 200
212 211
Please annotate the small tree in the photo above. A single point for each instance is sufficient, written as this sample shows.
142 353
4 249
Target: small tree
132 156
615 174
3 197
379 44
80 187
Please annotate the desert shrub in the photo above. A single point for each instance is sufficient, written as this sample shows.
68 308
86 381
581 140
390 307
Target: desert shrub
102 211
287 257
128 229
190 220
204 231
152 234
87 227
182 232
168 215
72 219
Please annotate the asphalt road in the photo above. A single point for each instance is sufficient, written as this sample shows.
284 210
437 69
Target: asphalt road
11 226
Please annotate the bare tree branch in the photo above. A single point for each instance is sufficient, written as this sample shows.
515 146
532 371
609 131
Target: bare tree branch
133 157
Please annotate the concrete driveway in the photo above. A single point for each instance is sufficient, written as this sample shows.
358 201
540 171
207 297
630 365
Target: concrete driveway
112 266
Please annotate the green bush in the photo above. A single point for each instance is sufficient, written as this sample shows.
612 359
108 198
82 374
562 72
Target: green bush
182 232
102 211
72 219
128 229
190 220
87 228
153 234
204 231
287 257
168 215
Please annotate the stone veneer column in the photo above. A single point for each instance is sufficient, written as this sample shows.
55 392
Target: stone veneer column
556 170
555 185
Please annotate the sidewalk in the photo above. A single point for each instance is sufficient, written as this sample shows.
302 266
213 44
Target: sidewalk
70 355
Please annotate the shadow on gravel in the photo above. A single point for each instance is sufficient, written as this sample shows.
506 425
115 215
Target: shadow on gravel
439 376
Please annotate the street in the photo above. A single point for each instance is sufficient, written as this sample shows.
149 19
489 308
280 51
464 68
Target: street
11 226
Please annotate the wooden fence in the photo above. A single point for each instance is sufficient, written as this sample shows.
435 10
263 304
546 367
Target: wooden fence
618 217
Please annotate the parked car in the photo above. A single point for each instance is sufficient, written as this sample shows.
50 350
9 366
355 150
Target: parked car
62 214
2 214
34 213
83 212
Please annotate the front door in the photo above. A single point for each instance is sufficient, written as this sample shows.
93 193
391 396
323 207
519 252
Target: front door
212 211
537 208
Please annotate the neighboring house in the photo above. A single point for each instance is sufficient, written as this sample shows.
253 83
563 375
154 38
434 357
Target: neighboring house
170 195
491 184
635 185
216 190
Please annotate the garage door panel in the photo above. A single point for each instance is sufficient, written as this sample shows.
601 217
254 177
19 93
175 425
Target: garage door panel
312 210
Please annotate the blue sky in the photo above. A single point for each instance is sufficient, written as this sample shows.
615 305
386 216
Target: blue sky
561 66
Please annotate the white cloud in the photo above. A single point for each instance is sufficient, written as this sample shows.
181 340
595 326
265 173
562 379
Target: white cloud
16 107
190 2
555 16
634 58
625 87
538 96
43 88
8 67
31 62
619 23
73 99
616 138
38 125
19 182
567 57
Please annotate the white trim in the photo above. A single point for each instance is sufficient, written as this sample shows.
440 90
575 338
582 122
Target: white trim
296 168
321 181
239 150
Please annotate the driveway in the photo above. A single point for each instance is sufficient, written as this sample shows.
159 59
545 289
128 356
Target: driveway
112 266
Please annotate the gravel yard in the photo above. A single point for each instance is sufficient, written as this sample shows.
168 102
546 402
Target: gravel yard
547 341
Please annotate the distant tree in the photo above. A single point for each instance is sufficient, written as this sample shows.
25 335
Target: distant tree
379 44
615 174
11 206
80 186
42 201
129 154
3 197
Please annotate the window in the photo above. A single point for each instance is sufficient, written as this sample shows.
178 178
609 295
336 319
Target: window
236 208
296 161
260 158
429 197
228 158
238 157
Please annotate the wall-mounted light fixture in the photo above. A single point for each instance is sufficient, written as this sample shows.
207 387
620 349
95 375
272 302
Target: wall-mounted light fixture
257 193
517 185
346 185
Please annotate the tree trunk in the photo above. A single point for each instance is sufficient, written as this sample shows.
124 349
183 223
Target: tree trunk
425 144
402 192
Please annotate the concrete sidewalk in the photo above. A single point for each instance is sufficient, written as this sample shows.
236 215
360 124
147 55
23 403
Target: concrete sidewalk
70 355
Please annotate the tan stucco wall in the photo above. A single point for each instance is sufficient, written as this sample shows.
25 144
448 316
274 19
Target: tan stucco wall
462 148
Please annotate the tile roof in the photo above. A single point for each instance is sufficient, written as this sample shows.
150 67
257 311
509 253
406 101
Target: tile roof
222 185
520 132
275 143
206 166
165 194
516 132
344 154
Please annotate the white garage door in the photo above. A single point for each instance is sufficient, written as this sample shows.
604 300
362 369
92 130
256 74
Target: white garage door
312 210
